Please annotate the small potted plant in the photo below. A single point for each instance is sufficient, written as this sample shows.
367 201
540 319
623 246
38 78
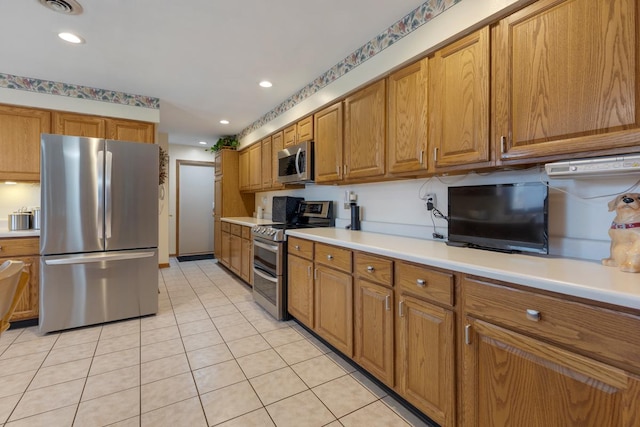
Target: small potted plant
225 142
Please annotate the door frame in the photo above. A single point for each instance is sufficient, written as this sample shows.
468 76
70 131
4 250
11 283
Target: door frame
186 163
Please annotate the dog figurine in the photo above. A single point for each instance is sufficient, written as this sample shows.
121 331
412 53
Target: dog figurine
625 233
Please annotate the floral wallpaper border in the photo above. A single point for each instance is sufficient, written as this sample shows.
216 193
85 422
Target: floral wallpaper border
10 81
418 17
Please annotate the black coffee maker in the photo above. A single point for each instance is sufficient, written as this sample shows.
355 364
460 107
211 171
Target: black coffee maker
285 209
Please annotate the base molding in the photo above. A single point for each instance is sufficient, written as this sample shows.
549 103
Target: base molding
163 265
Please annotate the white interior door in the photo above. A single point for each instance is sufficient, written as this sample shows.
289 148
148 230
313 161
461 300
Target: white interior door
195 204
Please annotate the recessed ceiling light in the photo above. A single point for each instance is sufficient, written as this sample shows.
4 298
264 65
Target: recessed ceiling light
266 83
224 122
71 38
202 143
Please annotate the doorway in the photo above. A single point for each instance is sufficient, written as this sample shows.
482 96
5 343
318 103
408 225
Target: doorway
194 207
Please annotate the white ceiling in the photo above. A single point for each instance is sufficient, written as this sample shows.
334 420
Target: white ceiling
202 58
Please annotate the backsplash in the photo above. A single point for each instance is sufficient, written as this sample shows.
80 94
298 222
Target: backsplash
16 196
578 222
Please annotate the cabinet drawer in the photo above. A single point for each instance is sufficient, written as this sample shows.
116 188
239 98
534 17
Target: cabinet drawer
19 247
602 333
246 232
236 230
300 247
373 268
425 282
334 257
226 226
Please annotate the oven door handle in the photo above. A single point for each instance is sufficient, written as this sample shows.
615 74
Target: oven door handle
270 248
264 276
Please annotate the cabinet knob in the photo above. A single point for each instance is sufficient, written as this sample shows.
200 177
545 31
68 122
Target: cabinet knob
421 283
370 269
297 247
329 257
533 315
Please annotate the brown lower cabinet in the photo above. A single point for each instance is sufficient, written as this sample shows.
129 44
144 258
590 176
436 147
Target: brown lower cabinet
532 359
469 351
24 249
236 252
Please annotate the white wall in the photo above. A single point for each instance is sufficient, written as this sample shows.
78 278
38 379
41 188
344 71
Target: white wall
577 227
180 152
16 196
163 209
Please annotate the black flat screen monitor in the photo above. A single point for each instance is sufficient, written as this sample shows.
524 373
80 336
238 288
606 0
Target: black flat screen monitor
503 217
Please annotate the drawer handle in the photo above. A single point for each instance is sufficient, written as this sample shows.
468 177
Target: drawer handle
421 283
533 315
400 310
309 271
297 247
329 257
370 269
387 305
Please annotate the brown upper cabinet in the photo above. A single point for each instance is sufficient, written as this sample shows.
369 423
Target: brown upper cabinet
566 79
255 167
328 144
65 123
459 102
129 130
20 130
277 144
407 119
243 175
365 132
78 125
267 162
298 132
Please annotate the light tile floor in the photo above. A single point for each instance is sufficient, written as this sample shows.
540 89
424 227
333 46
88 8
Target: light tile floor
210 356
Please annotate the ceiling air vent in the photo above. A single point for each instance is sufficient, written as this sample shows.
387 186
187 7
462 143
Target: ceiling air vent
68 7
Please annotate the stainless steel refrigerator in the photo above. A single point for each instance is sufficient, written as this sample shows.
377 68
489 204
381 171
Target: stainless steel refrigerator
99 231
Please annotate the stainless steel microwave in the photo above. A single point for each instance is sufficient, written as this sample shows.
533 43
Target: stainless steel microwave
295 163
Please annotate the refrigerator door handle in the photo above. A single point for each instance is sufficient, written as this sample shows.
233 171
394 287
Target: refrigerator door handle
100 200
108 196
86 259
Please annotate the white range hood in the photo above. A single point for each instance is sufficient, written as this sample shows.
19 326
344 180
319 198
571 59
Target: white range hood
594 168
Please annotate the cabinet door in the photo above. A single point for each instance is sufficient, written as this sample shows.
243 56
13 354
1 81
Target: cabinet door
334 308
459 101
365 132
300 289
304 129
235 254
20 130
267 162
407 118
567 78
244 170
247 260
226 249
217 237
28 305
255 166
78 125
129 130
328 144
425 350
277 144
373 348
289 135
512 379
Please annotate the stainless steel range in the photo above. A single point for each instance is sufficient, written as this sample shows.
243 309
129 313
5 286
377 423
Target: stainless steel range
270 255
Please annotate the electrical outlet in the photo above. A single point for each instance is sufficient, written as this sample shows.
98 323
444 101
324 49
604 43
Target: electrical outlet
430 200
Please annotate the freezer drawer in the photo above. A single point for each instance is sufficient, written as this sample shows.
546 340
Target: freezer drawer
85 289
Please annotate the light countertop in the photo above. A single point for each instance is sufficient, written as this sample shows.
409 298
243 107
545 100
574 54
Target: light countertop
4 231
247 221
579 278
